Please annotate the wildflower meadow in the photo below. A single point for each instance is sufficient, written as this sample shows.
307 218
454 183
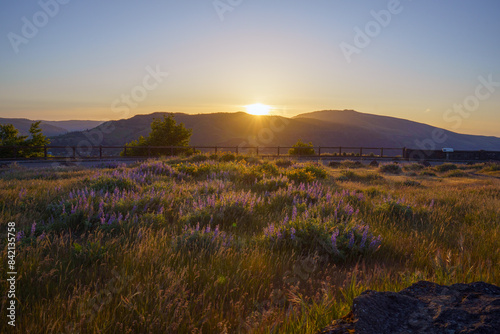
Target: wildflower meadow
236 244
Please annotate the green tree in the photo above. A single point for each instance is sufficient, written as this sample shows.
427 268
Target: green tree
9 136
301 148
36 140
164 132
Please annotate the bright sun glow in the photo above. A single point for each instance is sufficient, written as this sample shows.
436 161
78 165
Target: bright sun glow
258 109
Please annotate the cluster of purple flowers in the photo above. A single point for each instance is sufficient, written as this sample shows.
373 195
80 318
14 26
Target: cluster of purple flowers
203 238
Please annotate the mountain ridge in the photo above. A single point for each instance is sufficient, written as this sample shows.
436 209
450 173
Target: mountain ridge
50 128
322 128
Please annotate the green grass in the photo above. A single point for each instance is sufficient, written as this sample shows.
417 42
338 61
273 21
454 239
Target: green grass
204 244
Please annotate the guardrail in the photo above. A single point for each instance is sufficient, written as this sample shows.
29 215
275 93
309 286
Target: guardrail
77 152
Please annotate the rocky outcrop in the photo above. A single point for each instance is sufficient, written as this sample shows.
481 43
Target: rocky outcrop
424 307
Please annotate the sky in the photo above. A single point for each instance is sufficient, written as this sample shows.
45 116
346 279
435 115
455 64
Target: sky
435 62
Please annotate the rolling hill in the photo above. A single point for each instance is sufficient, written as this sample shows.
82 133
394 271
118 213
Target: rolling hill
50 128
323 128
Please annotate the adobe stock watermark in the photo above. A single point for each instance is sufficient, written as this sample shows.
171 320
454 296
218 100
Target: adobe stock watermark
224 6
32 25
456 115
139 93
373 28
122 106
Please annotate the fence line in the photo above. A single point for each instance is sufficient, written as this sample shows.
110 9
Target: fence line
75 152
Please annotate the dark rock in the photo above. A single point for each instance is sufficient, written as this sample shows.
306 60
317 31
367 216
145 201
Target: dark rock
374 163
424 307
425 163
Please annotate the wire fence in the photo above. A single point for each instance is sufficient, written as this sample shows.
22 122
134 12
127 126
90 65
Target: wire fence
104 152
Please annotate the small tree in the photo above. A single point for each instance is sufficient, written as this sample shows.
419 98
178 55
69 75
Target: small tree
36 140
9 136
164 132
301 148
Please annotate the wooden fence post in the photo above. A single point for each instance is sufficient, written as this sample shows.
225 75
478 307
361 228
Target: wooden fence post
100 151
237 151
278 151
257 150
74 152
215 149
149 151
124 151
340 150
319 151
381 152
360 151
45 151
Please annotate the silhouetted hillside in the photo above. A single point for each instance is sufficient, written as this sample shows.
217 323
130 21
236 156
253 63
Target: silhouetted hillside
50 128
325 128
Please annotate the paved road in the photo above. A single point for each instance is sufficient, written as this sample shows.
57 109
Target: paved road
70 162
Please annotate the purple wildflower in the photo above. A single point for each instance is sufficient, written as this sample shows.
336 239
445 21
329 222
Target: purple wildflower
33 229
365 236
292 233
294 213
20 235
374 245
351 240
285 221
334 240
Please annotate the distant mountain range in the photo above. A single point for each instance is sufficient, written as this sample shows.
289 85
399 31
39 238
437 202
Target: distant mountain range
322 128
50 128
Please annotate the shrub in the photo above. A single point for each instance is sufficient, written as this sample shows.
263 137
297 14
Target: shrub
349 175
300 175
198 158
372 192
457 173
394 209
197 170
414 167
491 167
427 173
337 241
334 164
213 156
110 183
351 164
271 184
253 160
317 170
227 157
445 167
391 169
411 183
284 163
301 148
268 169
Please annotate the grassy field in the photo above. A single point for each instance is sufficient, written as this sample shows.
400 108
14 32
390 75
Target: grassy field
234 244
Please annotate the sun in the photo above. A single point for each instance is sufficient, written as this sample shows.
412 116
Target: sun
258 109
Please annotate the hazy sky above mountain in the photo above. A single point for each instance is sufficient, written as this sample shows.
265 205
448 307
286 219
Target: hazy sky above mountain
436 62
